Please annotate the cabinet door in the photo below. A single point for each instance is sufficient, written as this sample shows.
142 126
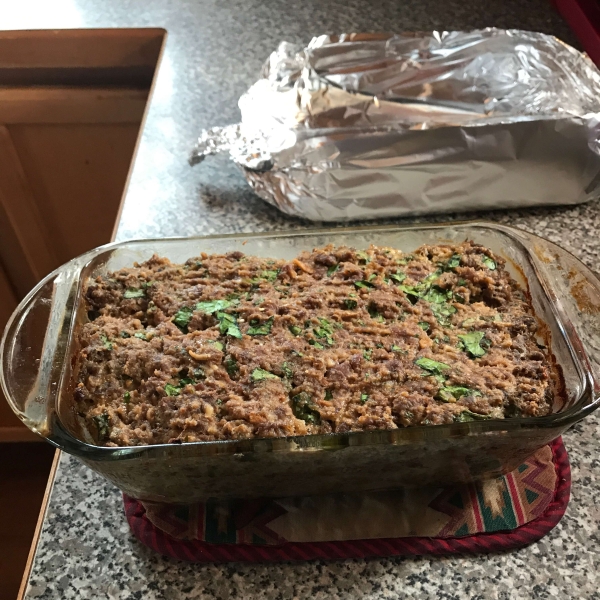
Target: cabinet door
11 429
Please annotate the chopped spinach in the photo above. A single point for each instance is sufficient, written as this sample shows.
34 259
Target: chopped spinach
461 282
124 334
453 262
103 424
260 374
364 398
349 304
367 354
231 366
442 313
126 397
258 328
489 263
434 367
295 330
133 293
325 331
172 390
269 275
316 344
398 277
287 370
424 325
212 306
199 373
437 295
218 345
363 284
331 270
471 342
466 415
140 335
228 325
182 318
362 255
397 349
371 277
454 392
106 342
303 408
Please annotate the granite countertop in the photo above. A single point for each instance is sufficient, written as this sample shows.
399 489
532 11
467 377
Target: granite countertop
214 51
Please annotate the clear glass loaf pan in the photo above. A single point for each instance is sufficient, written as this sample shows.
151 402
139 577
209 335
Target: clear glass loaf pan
39 346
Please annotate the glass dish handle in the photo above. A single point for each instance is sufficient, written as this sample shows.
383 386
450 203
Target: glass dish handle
30 350
576 290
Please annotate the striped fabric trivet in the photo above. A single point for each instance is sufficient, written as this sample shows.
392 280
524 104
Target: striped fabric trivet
509 512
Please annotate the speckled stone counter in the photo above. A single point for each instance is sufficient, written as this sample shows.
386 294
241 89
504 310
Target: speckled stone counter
214 51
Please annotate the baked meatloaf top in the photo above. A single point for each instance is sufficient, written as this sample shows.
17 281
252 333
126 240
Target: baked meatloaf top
336 340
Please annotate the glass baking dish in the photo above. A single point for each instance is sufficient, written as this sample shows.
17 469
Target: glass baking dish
39 346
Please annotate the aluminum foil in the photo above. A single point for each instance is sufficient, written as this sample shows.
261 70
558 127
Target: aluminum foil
364 126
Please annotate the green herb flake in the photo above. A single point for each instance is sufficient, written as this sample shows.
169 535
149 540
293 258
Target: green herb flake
182 318
332 270
328 395
172 390
126 397
437 295
231 366
102 422
217 345
363 256
349 304
398 277
269 275
124 334
106 342
453 262
471 342
133 293
489 263
258 328
228 325
396 348
367 354
371 277
411 291
140 335
287 370
316 345
303 408
461 282
466 415
325 331
212 306
260 374
363 284
443 312
199 373
424 325
364 398
295 330
186 381
455 392
433 366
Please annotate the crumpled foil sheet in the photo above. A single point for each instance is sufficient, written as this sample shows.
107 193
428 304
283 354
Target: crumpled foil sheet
365 126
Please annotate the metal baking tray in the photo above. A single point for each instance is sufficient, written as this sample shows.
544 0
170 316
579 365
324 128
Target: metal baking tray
38 350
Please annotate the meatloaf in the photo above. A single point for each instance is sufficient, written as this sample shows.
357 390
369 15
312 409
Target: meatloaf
228 346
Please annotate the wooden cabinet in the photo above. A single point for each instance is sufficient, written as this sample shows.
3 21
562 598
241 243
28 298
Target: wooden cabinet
71 107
